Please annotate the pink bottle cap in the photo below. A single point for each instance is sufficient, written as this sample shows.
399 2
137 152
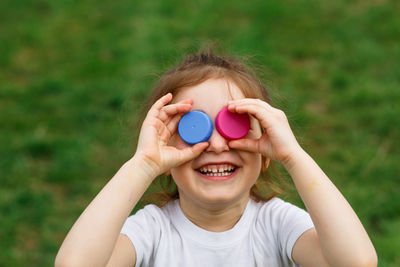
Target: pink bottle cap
232 125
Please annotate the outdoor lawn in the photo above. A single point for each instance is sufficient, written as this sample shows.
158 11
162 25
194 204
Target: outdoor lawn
74 75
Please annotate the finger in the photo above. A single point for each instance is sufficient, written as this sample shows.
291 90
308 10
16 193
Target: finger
170 128
162 101
155 108
240 106
185 101
263 115
258 102
192 152
152 122
172 125
160 126
167 111
250 145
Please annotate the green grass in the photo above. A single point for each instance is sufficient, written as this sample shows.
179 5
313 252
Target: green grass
73 75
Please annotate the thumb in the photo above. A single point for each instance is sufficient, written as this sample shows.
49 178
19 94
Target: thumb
193 151
245 144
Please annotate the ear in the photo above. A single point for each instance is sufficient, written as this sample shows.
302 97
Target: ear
264 164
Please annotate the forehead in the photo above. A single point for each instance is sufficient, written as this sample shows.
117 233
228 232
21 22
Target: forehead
211 95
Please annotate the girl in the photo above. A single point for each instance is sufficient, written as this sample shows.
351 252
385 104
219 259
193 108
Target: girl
218 216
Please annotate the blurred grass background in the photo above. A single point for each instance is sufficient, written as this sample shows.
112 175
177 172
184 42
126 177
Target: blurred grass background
73 75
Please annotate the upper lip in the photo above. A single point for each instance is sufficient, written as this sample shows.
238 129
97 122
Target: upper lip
202 164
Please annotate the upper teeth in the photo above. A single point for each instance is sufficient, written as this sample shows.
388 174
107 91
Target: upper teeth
217 169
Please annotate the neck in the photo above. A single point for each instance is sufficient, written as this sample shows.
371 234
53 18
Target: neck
213 217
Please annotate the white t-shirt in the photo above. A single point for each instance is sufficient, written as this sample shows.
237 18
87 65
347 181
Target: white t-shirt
264 236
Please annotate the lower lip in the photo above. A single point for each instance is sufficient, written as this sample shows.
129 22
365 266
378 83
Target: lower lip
219 178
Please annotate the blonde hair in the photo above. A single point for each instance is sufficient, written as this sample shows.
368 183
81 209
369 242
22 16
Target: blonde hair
193 70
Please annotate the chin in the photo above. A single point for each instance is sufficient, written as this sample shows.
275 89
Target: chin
221 198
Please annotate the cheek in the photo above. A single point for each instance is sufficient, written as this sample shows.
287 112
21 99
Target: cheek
179 173
253 161
257 164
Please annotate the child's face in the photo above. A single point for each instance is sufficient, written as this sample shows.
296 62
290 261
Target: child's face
193 178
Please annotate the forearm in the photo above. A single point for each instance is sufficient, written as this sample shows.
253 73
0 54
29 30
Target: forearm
91 240
342 237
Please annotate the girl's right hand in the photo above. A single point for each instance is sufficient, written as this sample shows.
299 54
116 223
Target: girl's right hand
161 122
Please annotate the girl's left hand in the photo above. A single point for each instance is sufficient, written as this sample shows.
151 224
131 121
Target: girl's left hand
277 142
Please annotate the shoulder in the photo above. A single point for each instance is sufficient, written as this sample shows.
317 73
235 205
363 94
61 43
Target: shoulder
277 208
150 219
154 214
279 218
281 223
272 207
145 228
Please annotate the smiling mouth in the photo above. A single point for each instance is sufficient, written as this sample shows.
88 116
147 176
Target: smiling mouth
217 170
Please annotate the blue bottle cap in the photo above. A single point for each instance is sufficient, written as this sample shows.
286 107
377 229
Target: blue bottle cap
195 127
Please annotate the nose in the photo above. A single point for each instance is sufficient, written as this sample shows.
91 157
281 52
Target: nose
218 143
